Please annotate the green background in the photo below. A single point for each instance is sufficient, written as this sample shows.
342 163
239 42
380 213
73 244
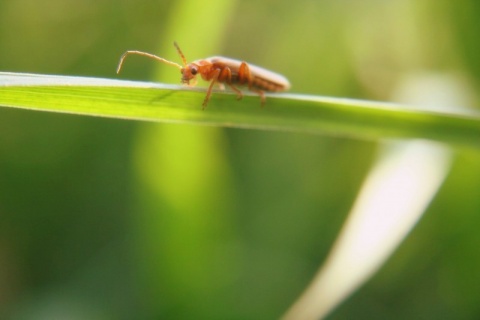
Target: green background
112 219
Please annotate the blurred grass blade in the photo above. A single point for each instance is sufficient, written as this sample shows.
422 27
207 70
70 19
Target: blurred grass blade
393 198
184 217
283 112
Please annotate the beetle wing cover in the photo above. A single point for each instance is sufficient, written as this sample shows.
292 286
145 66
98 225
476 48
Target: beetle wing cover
256 71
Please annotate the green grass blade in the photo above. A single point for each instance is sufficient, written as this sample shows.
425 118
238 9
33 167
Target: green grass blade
283 112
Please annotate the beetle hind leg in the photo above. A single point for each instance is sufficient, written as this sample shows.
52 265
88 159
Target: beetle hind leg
261 93
237 91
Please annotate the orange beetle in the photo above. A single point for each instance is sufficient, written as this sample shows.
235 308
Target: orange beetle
223 71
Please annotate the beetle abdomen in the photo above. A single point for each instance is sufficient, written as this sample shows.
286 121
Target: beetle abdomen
267 85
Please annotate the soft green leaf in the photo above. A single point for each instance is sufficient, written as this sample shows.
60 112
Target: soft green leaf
282 112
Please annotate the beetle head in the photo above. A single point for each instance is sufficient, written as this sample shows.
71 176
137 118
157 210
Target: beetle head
189 72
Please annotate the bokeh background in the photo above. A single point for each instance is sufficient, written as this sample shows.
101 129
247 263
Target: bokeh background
112 219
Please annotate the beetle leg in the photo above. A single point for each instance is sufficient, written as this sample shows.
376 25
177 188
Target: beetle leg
244 75
226 77
261 94
239 93
209 91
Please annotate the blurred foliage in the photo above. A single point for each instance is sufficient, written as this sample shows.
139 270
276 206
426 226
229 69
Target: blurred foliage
113 219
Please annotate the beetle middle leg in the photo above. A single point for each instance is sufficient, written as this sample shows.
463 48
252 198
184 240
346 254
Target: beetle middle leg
239 93
226 77
244 75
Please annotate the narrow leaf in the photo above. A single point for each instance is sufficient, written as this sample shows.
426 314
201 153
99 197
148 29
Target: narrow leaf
283 112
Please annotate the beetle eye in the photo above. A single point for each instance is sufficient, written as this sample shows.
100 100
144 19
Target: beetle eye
193 70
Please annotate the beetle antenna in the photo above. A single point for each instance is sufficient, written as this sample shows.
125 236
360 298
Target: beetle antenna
180 53
148 55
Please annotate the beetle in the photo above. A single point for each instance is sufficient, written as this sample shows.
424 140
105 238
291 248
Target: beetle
222 70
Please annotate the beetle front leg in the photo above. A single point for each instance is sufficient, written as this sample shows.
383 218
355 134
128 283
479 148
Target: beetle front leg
209 91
